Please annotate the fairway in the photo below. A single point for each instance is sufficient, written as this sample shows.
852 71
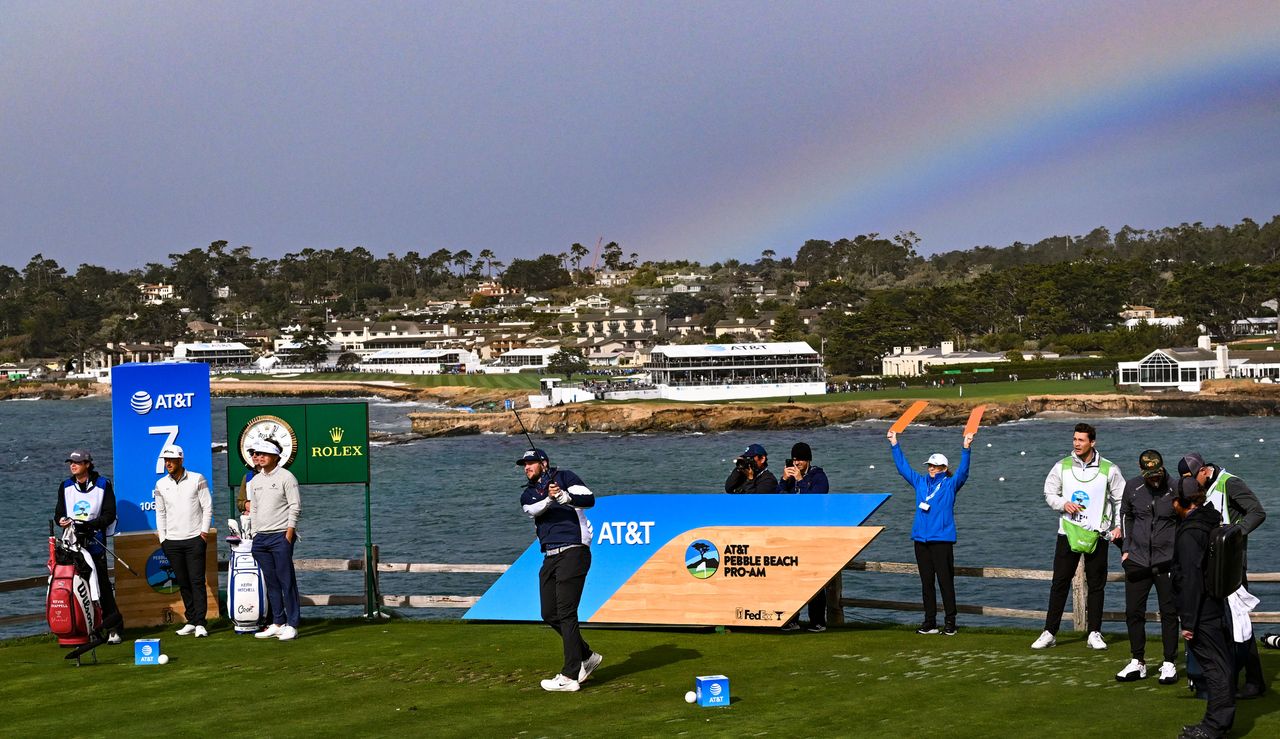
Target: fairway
407 678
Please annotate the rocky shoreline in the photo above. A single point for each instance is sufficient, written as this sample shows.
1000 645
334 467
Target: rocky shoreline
1218 398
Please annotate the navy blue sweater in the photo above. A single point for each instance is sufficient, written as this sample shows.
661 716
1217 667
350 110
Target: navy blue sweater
557 524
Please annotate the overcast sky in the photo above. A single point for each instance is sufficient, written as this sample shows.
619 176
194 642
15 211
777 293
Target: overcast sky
132 130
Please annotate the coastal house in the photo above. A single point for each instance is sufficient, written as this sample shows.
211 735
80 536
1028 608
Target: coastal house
732 371
1185 368
907 362
156 293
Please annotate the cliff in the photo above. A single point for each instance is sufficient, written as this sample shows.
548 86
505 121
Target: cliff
689 417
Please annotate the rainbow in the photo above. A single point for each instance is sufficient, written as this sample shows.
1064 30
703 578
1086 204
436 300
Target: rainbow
968 137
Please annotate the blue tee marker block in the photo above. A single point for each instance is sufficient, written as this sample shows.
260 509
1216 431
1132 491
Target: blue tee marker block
146 651
712 690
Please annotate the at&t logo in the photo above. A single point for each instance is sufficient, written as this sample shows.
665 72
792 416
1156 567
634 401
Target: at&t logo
141 402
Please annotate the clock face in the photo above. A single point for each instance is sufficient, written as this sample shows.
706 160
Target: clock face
268 427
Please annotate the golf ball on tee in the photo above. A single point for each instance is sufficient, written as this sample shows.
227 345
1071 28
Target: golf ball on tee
690 697
162 659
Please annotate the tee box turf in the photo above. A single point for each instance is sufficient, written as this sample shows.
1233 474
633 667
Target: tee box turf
146 651
712 690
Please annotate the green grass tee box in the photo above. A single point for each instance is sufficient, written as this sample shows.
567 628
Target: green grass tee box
446 679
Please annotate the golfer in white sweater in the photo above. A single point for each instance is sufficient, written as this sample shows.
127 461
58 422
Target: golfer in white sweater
184 510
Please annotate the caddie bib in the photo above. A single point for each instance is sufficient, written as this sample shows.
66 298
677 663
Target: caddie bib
1217 495
1089 493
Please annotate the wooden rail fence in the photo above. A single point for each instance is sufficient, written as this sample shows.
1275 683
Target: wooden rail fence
836 615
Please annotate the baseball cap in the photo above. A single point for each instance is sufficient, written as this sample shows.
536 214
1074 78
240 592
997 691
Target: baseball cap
532 455
80 455
266 446
938 460
755 450
802 451
1151 463
173 451
1190 463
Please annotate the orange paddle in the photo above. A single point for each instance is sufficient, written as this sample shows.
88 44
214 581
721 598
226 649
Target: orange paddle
906 418
975 417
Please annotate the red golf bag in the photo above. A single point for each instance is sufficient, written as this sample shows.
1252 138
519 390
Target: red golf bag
73 615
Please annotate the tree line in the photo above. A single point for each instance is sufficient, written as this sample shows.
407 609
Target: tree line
875 292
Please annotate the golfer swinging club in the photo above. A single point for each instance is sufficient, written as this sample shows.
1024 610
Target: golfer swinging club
555 499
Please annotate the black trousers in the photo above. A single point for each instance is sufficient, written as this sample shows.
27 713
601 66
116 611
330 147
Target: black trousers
186 557
936 561
1214 651
818 608
560 584
1136 594
1251 661
1065 562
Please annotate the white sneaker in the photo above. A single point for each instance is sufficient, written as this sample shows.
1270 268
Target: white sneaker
560 684
589 666
201 632
1135 670
1095 640
270 631
1168 673
114 637
187 630
1045 641
287 632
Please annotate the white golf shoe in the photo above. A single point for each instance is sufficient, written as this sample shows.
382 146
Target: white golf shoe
114 637
201 632
1168 673
1044 641
271 631
1135 670
187 630
589 666
560 684
287 632
1095 640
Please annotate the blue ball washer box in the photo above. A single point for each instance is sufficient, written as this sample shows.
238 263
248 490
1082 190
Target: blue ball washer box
146 651
712 690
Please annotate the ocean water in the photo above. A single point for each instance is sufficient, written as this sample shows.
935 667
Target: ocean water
456 500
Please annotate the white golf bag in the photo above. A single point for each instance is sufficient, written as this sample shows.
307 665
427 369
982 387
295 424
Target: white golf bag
246 594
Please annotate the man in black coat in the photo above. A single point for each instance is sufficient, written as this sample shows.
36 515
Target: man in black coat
1238 506
1206 621
751 473
1148 523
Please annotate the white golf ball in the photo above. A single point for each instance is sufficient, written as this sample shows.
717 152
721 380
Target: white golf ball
162 659
872 466
1022 454
988 445
1260 440
1002 479
1237 456
690 697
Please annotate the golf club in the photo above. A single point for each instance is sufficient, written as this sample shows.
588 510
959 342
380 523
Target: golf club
522 428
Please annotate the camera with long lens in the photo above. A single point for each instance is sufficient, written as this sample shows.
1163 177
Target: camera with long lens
1272 641
742 463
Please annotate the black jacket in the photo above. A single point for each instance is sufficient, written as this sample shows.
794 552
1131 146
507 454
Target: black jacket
1195 606
764 482
1245 509
1148 523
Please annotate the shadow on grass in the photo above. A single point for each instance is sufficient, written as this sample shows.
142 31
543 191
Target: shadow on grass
649 659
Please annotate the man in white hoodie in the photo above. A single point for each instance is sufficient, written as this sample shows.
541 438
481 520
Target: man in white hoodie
184 511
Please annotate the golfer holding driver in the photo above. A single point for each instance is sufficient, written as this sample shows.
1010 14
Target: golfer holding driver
934 529
555 499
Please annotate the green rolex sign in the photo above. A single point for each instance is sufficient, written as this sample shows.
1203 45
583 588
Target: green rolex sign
320 442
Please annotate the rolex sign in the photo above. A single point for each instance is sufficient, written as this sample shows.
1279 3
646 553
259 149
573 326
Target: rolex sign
319 442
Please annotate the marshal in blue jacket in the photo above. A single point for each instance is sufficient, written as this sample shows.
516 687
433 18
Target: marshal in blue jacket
939 522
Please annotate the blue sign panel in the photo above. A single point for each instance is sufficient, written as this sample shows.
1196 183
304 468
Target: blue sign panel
153 405
629 530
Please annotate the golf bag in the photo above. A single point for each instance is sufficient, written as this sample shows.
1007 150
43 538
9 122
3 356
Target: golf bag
73 614
246 593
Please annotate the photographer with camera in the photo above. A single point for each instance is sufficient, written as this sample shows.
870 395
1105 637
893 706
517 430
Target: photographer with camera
801 476
751 474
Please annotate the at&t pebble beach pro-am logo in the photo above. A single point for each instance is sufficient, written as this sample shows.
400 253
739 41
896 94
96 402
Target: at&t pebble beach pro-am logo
160 574
702 559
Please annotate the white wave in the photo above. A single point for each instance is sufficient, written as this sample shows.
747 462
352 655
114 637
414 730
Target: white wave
17 400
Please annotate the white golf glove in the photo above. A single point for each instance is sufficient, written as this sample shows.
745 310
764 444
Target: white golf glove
562 497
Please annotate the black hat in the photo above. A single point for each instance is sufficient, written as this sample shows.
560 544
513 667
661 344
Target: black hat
1151 463
1187 488
1190 463
532 455
802 451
